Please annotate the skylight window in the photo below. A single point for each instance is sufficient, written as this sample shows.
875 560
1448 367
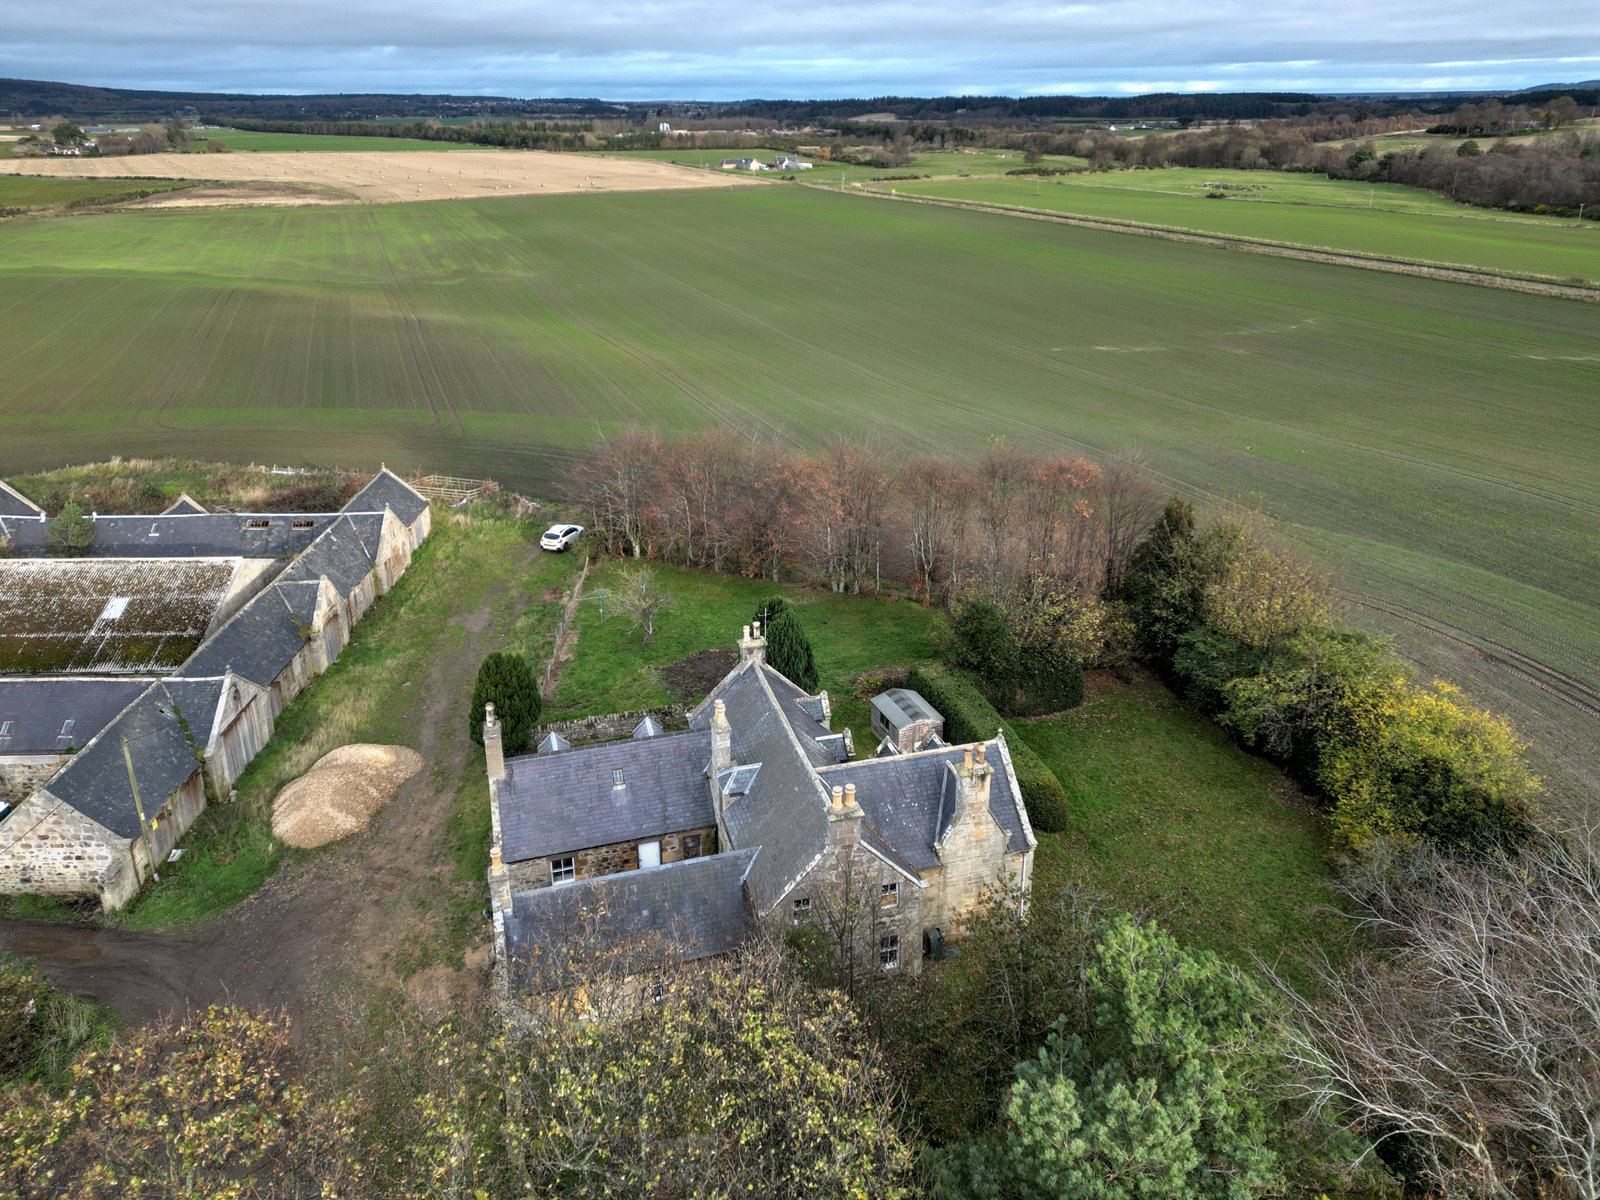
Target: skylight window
114 608
66 727
5 728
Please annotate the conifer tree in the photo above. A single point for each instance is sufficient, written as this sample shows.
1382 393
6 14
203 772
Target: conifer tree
788 649
506 681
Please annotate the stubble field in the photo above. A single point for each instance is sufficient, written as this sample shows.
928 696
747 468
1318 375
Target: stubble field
1434 441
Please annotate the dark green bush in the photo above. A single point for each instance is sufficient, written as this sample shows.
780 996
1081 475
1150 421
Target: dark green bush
506 681
788 649
968 717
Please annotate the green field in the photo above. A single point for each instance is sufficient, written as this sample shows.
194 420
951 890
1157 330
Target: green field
248 140
1307 210
936 163
1435 441
36 191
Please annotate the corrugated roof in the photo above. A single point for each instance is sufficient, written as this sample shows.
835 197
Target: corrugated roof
36 710
902 706
557 803
697 906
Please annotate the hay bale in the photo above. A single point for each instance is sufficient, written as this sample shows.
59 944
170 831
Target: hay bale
341 793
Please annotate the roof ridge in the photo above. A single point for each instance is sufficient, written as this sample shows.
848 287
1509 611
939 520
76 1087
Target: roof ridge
794 740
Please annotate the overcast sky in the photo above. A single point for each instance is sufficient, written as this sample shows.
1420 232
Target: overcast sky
723 49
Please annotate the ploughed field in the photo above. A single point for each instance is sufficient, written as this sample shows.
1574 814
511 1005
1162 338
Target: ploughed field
1435 441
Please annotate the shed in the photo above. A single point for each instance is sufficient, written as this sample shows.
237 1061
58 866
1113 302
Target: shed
905 719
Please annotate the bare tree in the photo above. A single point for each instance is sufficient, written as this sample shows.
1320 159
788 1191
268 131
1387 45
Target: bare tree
616 482
937 498
1474 1036
1129 505
637 596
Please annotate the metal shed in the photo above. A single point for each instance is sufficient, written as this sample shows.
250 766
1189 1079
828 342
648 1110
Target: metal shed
904 718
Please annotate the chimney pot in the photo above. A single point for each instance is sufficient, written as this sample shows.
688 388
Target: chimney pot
838 796
496 860
983 753
849 795
966 761
755 629
746 635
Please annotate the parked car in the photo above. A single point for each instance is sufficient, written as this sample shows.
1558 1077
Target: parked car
559 537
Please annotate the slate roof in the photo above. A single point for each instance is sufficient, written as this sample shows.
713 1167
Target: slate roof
557 803
259 640
785 812
345 552
388 490
14 504
552 743
184 504
907 799
188 535
95 780
37 709
697 905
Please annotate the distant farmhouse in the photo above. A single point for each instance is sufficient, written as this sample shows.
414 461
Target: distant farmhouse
139 680
756 813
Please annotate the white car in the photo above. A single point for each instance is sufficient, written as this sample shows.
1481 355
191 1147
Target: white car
559 537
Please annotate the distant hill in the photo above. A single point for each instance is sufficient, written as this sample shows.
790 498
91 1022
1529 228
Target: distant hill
39 98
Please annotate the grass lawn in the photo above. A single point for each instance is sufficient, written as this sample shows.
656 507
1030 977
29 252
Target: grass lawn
1169 817
373 693
612 672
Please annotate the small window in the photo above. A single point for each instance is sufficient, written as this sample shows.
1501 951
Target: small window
889 895
691 845
889 951
66 727
563 870
257 523
155 531
802 908
616 778
301 523
5 728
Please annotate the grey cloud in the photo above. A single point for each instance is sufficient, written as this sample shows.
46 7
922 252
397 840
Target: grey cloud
718 49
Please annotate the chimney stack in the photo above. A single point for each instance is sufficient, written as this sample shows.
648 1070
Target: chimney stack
721 752
493 753
752 646
499 880
982 776
844 817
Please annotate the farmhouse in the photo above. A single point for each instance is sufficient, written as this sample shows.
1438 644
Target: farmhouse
138 681
755 813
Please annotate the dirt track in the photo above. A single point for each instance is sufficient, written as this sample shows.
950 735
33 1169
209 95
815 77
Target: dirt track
378 177
323 928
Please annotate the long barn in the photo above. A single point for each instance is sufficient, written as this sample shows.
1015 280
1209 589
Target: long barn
121 718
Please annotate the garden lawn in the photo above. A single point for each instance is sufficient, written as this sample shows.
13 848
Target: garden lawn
1170 818
611 671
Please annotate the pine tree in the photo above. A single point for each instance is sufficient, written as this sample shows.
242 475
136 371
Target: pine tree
789 650
506 681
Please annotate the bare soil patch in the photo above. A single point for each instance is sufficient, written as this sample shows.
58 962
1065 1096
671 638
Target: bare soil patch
379 177
341 794
691 678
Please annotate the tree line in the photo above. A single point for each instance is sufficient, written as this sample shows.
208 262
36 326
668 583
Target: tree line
515 135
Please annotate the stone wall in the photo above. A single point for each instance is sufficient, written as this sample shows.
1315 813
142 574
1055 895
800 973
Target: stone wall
53 850
21 774
845 890
612 727
610 859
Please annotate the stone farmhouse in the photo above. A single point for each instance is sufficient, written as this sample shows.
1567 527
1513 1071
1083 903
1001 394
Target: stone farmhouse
755 813
105 765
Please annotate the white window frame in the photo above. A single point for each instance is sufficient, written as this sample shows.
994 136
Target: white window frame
889 951
889 895
800 910
559 874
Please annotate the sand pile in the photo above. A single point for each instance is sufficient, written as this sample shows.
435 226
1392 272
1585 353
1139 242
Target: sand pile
341 793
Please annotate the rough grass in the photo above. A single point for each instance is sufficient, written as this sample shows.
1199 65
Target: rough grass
375 692
1170 818
1443 431
612 671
